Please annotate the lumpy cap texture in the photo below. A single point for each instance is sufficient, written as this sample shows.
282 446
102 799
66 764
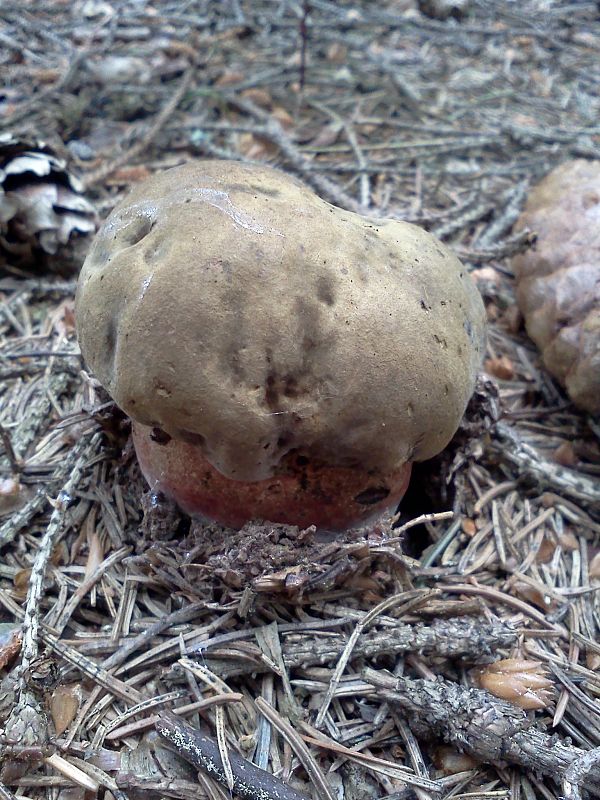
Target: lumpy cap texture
229 306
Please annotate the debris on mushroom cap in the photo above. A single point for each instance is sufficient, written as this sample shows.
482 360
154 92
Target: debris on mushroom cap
558 282
228 307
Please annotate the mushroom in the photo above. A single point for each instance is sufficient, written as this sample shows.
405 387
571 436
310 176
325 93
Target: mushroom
281 358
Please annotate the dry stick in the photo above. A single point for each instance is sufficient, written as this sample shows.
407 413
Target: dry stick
80 455
72 772
471 639
530 463
438 516
576 772
505 248
100 174
202 752
489 729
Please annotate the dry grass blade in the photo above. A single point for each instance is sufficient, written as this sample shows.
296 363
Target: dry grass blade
72 773
223 753
304 755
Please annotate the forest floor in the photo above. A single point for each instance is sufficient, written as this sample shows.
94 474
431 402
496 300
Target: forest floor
360 669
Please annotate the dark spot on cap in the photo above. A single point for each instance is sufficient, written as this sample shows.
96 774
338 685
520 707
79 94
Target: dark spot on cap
137 229
372 495
284 440
325 291
271 391
191 437
159 436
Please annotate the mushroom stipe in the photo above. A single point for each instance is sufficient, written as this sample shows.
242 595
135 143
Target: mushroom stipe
281 358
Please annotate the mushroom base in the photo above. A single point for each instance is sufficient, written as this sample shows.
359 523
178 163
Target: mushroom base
304 493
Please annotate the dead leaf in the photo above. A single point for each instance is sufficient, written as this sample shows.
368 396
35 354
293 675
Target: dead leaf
565 455
256 147
513 318
328 135
64 705
127 175
229 78
546 551
21 583
11 495
568 541
501 368
592 661
533 595
283 117
450 761
260 97
337 53
10 642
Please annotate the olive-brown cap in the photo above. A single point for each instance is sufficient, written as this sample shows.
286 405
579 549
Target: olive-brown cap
230 306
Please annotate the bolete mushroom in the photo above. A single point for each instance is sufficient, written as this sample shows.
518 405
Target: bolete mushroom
281 358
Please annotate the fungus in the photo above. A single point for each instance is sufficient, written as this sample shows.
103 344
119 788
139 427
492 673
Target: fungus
281 358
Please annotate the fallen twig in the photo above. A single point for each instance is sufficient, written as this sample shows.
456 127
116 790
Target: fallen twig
487 728
530 463
471 639
201 751
79 457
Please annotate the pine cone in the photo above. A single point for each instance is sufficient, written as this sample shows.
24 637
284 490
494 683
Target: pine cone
44 218
558 281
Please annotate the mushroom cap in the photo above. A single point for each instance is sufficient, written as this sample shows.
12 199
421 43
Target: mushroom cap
228 306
